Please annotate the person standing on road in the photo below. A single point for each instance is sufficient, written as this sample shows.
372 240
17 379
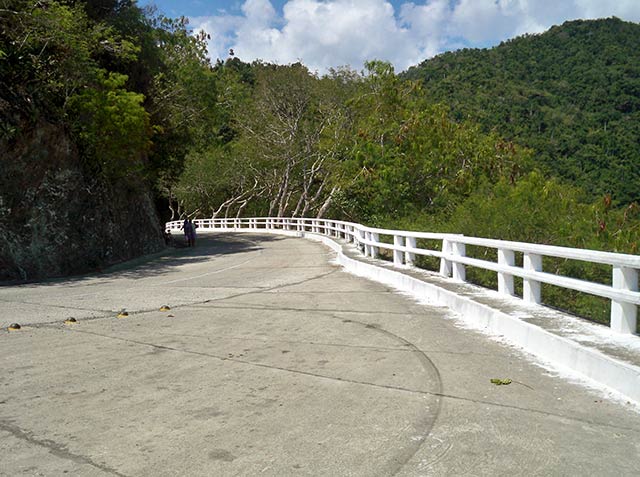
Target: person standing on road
193 234
187 227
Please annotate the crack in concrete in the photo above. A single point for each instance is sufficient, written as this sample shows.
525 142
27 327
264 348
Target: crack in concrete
404 349
260 365
56 449
242 306
109 314
64 307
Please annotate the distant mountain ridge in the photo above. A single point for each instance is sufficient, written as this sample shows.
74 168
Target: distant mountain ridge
572 94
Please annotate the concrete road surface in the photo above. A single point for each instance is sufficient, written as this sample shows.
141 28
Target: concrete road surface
272 361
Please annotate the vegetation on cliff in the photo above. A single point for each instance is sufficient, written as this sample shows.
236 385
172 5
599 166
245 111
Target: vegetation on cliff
99 101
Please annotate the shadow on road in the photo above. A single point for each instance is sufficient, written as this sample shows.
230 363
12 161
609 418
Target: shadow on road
207 246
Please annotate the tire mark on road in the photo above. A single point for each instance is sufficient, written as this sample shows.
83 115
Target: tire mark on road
429 420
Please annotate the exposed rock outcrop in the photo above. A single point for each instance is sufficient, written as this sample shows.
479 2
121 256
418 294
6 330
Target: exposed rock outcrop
58 219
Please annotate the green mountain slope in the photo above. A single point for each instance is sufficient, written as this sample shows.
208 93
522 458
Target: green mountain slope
572 94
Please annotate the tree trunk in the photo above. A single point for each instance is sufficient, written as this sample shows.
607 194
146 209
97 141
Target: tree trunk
327 202
284 190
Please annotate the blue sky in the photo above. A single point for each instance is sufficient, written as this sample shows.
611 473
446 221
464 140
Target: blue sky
333 33
201 8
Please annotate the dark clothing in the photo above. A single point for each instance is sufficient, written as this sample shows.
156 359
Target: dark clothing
189 232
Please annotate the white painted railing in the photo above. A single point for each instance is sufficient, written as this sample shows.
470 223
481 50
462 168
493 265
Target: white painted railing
623 292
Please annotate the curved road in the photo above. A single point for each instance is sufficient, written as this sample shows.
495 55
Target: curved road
272 361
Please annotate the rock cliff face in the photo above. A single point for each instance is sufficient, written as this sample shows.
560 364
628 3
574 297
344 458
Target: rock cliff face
57 219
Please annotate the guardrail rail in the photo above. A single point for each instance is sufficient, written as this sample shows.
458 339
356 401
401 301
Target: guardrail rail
623 292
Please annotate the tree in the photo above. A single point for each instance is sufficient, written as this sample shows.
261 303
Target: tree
410 157
215 181
294 127
112 126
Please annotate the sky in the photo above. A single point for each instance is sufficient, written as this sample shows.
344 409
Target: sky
332 33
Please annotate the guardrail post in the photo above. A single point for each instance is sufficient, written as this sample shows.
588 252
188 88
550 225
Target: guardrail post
445 265
398 241
459 271
410 257
624 316
359 236
375 251
367 248
531 288
505 280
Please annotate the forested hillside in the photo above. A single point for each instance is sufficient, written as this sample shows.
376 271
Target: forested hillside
572 94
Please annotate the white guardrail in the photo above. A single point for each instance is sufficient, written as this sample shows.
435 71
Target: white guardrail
623 292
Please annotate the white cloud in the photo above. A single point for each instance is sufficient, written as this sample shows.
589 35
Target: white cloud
330 33
426 25
626 9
